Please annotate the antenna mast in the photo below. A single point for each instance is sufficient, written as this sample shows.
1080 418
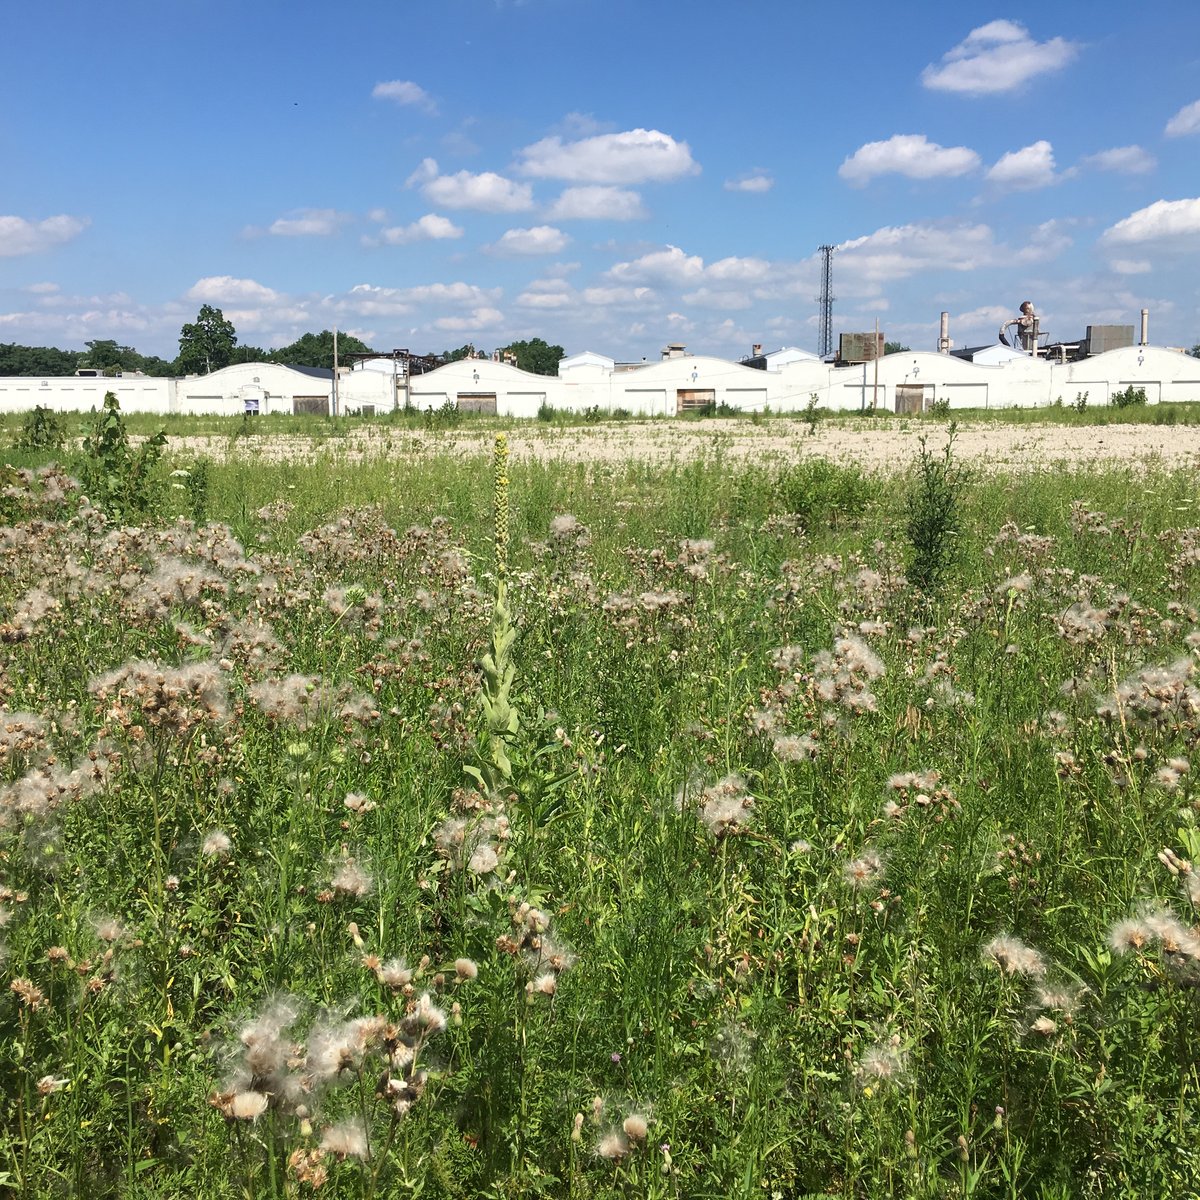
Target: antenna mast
825 300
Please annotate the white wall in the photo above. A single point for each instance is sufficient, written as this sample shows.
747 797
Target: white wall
75 394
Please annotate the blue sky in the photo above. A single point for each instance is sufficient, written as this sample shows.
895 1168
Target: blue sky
606 174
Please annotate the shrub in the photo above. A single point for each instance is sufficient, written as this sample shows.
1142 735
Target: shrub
41 430
933 516
1129 398
819 492
446 416
812 414
119 480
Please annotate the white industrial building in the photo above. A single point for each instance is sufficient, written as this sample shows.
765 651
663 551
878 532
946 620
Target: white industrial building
909 381
245 387
990 377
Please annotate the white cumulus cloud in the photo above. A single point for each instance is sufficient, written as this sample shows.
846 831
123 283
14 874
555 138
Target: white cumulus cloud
595 202
225 289
1030 167
404 91
997 57
20 236
541 239
429 228
1162 220
738 270
635 156
1185 121
669 265
1126 160
485 192
910 154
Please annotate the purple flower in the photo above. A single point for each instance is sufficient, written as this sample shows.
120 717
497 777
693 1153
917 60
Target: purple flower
616 1057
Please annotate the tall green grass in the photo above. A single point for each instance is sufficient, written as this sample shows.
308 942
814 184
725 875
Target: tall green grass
777 811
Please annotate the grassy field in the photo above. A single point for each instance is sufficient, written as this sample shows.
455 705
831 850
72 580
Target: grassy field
476 828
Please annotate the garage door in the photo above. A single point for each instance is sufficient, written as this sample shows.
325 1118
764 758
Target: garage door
477 402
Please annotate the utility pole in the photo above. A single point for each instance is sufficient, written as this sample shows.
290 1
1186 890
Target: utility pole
875 356
825 300
335 372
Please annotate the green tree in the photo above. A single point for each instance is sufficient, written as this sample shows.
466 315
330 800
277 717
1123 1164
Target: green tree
316 350
895 348
37 360
467 351
207 343
536 356
111 358
1195 350
107 356
248 354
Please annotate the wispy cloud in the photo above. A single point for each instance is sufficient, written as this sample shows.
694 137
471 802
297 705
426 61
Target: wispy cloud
404 91
1185 121
541 239
308 222
21 236
755 181
1125 160
595 202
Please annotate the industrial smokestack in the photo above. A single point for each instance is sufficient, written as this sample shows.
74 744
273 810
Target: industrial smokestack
944 335
1145 327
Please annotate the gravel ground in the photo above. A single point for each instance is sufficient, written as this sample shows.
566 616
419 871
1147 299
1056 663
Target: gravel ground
879 445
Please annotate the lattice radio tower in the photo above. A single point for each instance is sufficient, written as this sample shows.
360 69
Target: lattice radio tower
826 299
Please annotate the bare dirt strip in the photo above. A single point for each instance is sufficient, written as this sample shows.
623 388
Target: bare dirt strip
879 444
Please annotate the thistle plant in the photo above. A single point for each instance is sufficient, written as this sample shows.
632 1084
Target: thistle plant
492 769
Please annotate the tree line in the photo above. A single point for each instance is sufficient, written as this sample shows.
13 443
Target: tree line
210 342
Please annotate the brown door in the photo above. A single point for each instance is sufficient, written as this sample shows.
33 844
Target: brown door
477 402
